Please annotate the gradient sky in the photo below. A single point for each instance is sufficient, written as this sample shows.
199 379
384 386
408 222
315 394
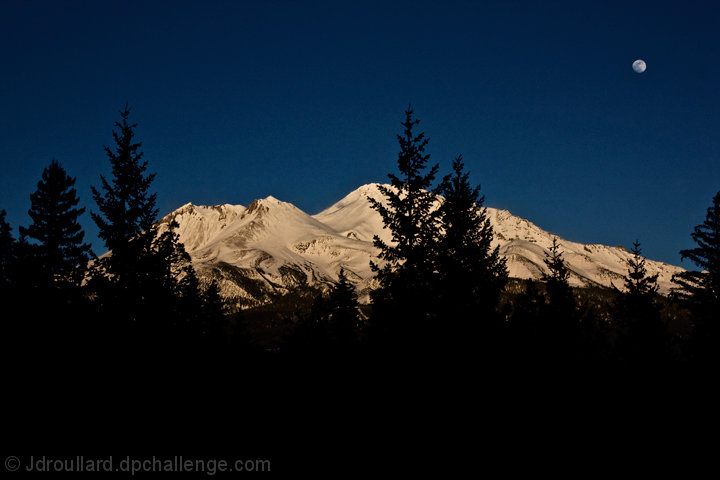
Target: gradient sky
302 100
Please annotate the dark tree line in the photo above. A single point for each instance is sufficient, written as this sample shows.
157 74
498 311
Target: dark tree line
442 293
143 294
443 287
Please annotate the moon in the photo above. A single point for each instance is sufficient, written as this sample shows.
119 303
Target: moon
639 66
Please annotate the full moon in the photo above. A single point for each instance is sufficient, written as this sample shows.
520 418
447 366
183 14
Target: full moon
639 66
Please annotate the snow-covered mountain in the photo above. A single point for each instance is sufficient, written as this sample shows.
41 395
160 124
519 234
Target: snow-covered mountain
271 246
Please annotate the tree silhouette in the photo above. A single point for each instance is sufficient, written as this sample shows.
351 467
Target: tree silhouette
642 338
560 322
141 280
7 244
60 252
526 325
471 274
214 310
333 326
637 282
700 290
125 221
403 302
343 312
127 207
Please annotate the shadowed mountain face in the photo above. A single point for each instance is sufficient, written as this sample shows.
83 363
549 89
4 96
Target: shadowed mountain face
271 246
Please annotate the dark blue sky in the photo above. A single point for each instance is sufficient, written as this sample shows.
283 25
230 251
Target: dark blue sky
302 100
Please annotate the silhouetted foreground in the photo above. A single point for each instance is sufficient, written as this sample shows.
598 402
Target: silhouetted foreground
132 345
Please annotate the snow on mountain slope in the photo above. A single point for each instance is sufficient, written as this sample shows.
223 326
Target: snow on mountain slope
272 245
198 225
268 247
354 218
524 245
520 241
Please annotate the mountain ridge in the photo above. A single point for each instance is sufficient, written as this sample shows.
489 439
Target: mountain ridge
271 246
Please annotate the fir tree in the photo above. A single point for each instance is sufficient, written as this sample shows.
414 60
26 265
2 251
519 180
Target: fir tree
127 208
402 304
60 252
560 296
637 282
214 310
141 277
700 290
642 338
472 274
560 323
526 325
190 299
170 273
126 214
7 246
343 311
558 274
333 325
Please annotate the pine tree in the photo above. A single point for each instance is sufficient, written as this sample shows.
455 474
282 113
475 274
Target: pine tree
642 338
139 279
343 311
214 310
700 290
60 252
559 274
126 213
637 282
127 208
472 274
170 262
560 294
526 325
189 299
560 322
7 245
402 304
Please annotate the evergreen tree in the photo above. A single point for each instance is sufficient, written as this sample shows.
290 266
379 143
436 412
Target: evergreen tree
642 338
60 252
402 304
333 326
126 214
190 299
127 207
343 306
7 246
700 290
637 282
526 325
558 275
141 278
560 296
560 322
214 310
472 274
9 298
177 295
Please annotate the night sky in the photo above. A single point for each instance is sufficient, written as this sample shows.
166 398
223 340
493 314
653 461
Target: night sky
302 100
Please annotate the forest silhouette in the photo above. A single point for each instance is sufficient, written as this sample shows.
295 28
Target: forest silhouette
133 322
442 290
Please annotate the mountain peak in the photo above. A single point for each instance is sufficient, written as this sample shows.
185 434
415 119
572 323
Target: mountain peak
256 207
273 244
263 205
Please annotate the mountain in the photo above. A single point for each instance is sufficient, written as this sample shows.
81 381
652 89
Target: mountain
272 246
267 248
